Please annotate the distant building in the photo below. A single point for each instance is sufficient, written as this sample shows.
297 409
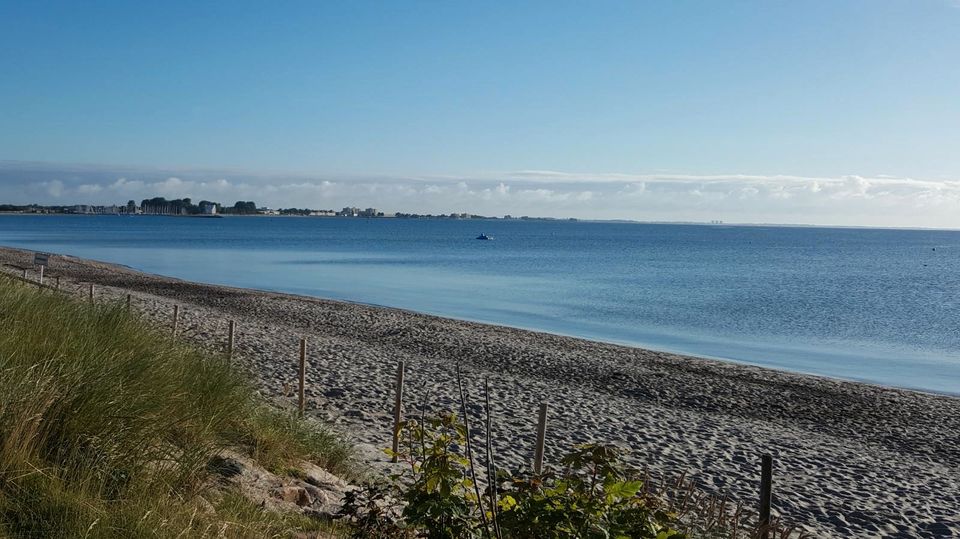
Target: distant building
87 209
349 212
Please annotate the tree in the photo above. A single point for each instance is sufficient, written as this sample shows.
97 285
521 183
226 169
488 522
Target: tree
244 208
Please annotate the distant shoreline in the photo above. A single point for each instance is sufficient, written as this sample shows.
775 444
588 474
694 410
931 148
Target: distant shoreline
543 219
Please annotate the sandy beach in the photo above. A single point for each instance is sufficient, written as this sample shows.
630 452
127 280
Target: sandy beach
850 459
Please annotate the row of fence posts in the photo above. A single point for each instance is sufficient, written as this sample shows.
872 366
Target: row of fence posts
231 336
231 332
41 279
766 464
175 323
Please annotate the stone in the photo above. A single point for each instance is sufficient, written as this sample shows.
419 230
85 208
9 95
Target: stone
224 466
320 478
295 494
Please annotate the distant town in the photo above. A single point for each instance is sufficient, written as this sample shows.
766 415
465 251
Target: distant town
184 207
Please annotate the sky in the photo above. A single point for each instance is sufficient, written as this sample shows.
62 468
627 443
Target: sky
838 112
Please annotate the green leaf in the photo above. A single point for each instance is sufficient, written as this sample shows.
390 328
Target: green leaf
507 502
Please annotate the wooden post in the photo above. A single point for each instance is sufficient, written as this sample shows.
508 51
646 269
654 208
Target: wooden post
91 292
58 282
230 341
303 375
766 494
397 411
176 318
128 303
41 276
24 274
541 439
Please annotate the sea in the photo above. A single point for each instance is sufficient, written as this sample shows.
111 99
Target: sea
874 305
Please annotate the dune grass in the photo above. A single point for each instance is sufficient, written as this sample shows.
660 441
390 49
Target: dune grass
107 426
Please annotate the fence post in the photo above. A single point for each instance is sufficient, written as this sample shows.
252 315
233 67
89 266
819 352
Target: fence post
128 303
397 411
41 277
230 341
766 494
91 292
303 375
58 282
541 439
176 318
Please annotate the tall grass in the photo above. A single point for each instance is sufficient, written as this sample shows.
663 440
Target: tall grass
107 426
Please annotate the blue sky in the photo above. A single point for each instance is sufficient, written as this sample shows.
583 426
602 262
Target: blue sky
755 102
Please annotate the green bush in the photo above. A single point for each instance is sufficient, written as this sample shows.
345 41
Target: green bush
436 497
594 496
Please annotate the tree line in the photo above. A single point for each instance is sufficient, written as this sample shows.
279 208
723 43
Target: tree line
185 206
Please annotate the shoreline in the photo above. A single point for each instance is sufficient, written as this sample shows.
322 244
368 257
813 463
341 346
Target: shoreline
609 341
622 343
836 363
566 219
852 458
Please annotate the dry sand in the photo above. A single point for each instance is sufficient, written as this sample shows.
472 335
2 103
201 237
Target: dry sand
850 459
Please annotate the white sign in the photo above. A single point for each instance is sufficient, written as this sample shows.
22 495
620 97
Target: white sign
40 259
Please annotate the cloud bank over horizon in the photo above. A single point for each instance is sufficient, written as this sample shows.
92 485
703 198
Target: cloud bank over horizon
734 198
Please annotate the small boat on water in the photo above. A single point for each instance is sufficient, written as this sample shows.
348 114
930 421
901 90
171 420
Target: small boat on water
484 237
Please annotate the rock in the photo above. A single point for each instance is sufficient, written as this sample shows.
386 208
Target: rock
326 489
294 494
319 496
253 481
322 479
225 467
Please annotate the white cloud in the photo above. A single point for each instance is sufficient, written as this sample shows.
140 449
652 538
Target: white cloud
53 188
846 199
89 188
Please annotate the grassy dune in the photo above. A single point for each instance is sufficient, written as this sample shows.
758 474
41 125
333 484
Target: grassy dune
107 426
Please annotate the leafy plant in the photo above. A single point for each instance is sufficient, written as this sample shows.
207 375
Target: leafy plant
593 496
372 512
440 500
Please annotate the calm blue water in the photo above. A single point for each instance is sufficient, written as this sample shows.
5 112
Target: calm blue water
874 305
